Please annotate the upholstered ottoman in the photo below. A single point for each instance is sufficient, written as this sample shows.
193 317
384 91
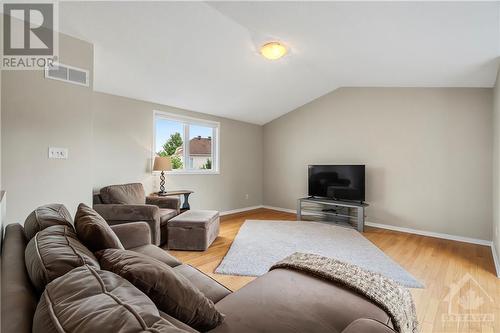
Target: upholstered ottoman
193 230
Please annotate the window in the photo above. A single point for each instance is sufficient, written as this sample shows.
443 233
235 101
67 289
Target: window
191 144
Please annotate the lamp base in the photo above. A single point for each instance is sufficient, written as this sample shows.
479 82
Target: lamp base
162 191
162 194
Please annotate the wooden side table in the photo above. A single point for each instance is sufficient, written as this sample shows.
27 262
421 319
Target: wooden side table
185 204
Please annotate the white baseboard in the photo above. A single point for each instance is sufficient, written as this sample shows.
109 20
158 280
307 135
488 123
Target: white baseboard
286 210
431 234
239 210
244 209
495 259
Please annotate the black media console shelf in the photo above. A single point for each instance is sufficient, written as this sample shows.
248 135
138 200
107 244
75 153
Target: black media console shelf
345 213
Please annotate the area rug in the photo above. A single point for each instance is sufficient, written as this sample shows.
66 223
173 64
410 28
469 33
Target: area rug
260 244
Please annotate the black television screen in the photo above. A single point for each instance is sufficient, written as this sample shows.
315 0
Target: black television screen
339 182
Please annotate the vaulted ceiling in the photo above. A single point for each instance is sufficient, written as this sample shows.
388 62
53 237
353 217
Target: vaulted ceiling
203 56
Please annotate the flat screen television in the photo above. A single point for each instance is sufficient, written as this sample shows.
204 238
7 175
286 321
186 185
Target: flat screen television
337 182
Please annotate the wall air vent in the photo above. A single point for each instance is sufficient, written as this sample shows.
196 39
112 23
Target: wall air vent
67 73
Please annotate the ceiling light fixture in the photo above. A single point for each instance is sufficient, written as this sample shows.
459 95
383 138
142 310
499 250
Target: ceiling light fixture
273 50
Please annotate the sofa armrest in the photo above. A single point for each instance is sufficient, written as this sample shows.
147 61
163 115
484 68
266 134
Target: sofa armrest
18 297
164 202
366 325
133 234
120 214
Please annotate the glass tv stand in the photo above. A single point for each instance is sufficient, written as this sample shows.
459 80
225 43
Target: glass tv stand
345 213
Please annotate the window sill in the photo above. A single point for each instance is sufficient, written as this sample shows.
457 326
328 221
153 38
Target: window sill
193 172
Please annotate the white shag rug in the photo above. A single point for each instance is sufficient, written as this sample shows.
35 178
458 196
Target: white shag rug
260 244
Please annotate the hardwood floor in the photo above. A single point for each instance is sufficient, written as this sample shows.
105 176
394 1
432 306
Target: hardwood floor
439 264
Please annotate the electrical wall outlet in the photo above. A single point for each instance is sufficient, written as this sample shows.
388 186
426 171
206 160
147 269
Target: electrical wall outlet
58 153
247 196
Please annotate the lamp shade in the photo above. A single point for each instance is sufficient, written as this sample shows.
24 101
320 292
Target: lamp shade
162 164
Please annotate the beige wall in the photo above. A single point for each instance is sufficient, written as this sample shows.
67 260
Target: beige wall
122 146
496 167
427 152
109 140
38 113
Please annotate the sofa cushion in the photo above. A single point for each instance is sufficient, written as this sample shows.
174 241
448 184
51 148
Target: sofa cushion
157 253
46 216
94 231
127 194
212 289
88 300
171 292
289 301
53 252
177 323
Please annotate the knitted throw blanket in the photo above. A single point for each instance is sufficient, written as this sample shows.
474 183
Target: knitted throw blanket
386 293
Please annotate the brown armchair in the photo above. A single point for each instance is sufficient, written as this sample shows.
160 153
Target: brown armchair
126 203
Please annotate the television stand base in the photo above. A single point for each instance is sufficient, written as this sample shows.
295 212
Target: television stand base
345 213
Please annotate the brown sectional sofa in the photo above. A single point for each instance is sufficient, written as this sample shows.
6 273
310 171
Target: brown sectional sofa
280 301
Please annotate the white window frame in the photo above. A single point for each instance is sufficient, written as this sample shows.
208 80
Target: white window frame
186 121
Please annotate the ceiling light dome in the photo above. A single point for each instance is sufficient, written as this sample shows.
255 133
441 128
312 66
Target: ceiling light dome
273 50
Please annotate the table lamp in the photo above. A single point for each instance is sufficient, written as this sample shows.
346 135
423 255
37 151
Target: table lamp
162 164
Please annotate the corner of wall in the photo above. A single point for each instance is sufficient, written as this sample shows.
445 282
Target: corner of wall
496 173
2 194
1 50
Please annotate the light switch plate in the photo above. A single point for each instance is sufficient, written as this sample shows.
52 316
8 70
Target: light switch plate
58 153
